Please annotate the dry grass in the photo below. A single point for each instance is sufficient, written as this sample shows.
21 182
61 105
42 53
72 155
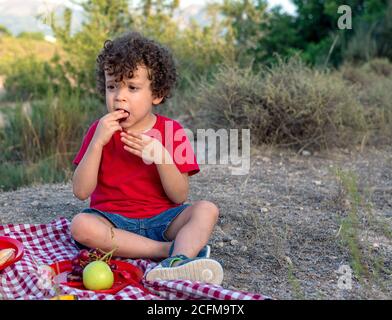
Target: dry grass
289 104
13 48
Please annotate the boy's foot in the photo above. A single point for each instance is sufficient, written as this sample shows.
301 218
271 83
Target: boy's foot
205 252
181 267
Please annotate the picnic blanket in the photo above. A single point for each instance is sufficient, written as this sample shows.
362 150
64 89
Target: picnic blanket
47 243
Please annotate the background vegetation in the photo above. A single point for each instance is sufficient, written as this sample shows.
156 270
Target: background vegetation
295 81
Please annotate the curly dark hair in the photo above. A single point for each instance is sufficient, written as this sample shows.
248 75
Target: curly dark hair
121 57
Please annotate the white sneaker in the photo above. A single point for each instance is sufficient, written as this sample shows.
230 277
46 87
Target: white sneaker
197 269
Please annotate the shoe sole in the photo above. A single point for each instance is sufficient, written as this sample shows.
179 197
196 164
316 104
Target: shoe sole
203 270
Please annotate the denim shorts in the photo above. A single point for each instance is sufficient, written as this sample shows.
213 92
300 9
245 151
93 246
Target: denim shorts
153 228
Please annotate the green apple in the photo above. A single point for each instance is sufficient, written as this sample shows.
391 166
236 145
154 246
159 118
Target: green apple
97 275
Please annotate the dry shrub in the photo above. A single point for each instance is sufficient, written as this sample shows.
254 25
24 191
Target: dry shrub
367 74
289 104
356 76
373 83
230 100
380 66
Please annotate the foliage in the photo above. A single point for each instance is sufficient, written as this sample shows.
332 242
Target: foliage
4 31
31 35
41 138
260 36
289 104
13 49
104 19
30 78
233 74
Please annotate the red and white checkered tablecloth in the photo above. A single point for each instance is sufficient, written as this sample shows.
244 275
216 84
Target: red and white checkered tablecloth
47 243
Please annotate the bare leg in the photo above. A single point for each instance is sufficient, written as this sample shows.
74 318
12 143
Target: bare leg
191 231
192 228
97 232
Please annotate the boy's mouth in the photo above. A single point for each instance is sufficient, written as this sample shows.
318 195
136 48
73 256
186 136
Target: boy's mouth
123 119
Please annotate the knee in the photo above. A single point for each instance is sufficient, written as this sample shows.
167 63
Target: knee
208 209
81 227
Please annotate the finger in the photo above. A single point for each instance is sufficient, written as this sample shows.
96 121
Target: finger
133 151
147 138
116 115
115 127
132 144
142 138
132 138
135 135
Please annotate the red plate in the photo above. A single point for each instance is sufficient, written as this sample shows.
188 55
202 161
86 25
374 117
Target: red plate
7 242
126 274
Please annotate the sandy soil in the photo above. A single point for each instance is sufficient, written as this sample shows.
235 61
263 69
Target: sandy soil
283 227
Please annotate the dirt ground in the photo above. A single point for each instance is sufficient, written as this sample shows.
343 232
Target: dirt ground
287 229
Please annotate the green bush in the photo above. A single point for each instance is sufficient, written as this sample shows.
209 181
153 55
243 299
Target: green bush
31 35
40 139
30 78
50 170
13 49
289 104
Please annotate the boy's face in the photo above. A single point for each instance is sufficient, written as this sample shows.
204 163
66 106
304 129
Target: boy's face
132 95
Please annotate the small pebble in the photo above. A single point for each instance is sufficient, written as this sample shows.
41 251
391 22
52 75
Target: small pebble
233 242
35 203
219 229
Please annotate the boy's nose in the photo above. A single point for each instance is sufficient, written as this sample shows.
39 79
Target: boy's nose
120 99
120 96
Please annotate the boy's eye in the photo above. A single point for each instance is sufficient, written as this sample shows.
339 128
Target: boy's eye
110 87
132 88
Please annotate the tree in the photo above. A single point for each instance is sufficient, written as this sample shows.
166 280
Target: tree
280 37
196 48
158 7
245 18
372 33
31 35
104 20
4 31
312 32
317 24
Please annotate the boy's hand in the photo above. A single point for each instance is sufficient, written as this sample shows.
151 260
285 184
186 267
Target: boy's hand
149 149
107 126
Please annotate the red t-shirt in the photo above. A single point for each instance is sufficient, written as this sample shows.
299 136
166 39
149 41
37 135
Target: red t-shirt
126 184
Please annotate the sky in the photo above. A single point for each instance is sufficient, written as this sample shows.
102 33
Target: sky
286 4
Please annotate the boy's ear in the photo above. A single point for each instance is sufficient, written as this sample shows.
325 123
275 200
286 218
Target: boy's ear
157 101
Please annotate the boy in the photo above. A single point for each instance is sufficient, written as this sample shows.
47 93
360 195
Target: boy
138 182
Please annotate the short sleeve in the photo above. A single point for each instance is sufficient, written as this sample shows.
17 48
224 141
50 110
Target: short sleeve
182 151
86 142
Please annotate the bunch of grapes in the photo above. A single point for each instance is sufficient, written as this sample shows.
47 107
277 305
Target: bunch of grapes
83 258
